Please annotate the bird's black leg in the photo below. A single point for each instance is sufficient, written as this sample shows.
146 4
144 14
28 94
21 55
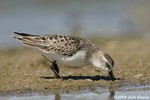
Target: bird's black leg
55 69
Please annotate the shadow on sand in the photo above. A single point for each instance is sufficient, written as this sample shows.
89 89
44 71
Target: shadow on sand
93 78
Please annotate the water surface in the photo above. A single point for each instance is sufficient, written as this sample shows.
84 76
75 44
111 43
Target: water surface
140 93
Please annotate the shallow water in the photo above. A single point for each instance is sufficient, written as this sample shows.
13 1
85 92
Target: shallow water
134 93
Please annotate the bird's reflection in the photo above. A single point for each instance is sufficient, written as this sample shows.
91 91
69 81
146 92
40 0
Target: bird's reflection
111 93
57 96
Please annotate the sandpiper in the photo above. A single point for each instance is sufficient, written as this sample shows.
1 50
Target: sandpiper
68 50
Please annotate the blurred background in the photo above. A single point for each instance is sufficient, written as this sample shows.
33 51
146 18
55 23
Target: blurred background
103 18
121 28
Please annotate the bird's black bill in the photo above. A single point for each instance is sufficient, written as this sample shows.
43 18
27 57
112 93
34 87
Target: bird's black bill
111 75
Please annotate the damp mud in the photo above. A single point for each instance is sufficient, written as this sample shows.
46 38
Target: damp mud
22 70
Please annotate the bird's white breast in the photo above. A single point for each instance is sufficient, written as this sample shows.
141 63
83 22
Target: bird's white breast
78 59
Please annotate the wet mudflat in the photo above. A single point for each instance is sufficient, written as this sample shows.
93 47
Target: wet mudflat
24 71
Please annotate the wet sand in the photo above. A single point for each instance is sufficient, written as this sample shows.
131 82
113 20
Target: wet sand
22 70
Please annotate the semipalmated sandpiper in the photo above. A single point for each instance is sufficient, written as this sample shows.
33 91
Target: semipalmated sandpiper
68 50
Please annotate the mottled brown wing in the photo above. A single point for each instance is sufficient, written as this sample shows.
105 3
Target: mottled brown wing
60 44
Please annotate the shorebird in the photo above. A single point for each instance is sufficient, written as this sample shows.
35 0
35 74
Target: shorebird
68 50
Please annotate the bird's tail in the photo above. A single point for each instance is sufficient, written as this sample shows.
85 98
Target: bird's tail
34 41
25 37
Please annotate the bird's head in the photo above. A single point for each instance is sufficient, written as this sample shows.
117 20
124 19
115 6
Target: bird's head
103 61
